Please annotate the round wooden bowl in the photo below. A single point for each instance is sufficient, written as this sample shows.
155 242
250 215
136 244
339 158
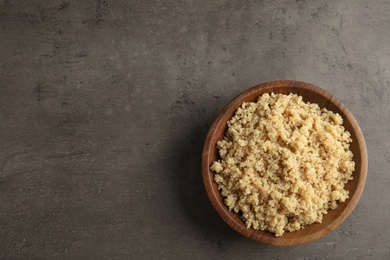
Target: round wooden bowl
334 218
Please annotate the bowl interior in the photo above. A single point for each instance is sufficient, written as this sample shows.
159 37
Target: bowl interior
334 218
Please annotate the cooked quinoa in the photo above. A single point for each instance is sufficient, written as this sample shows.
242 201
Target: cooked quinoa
283 163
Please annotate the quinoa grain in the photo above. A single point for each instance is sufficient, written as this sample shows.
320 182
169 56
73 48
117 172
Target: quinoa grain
283 163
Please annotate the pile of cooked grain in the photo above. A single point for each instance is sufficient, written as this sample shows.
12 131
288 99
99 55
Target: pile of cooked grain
284 163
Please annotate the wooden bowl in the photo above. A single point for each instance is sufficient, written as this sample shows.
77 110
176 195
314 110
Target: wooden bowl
334 218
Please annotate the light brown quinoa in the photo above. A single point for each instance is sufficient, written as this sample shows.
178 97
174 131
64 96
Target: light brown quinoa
283 163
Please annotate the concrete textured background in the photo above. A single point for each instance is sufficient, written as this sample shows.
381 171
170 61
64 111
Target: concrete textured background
104 108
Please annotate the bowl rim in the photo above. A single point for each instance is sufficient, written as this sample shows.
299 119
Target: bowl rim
229 217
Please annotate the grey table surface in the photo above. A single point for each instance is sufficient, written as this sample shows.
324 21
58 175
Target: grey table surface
105 105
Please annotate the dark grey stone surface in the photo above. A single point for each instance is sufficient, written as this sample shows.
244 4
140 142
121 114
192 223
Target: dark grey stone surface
104 108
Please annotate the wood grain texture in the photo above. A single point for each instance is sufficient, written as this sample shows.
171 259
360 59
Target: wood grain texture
334 218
